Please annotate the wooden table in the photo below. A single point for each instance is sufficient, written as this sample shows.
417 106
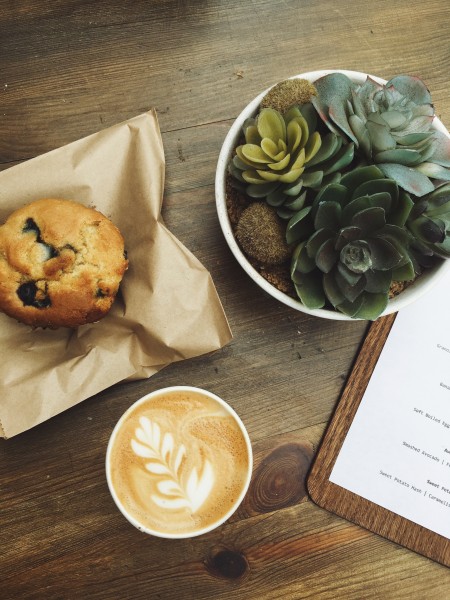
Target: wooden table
69 68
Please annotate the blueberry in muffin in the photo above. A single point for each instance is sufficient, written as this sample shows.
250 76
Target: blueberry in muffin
61 264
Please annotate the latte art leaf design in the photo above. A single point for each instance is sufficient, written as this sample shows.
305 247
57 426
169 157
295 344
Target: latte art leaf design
176 489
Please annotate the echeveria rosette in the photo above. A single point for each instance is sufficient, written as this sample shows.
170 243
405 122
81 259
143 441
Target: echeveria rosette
391 126
429 222
283 154
352 244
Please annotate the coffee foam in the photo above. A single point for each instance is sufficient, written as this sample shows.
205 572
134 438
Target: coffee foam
179 462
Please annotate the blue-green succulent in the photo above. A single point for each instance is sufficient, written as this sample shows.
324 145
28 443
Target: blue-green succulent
391 126
352 243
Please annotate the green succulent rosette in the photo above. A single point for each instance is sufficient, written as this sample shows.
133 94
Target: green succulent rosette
352 243
391 126
284 154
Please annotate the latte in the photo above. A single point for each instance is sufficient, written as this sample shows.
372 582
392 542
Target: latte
178 462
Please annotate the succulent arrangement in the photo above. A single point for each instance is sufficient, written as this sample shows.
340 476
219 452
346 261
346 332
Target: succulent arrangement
355 184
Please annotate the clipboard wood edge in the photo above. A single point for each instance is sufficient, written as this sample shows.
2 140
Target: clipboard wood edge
346 504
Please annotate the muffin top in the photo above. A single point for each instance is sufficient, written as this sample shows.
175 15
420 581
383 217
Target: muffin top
61 264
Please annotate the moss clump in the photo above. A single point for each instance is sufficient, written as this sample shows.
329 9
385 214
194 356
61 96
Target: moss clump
261 234
285 94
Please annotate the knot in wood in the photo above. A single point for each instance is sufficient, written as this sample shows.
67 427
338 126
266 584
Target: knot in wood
279 480
226 563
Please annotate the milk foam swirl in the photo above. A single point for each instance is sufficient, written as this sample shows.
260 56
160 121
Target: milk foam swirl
178 462
176 488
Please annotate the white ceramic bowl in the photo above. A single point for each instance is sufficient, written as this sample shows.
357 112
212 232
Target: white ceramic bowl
413 292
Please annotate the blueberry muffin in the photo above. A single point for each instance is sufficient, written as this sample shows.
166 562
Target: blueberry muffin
61 264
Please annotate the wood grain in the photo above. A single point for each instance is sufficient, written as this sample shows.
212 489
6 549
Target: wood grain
69 68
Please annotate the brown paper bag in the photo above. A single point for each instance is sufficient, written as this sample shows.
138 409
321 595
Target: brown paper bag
167 308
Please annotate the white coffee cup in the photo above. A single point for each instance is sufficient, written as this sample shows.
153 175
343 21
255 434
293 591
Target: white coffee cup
179 462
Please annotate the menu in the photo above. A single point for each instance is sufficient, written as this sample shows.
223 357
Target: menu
397 450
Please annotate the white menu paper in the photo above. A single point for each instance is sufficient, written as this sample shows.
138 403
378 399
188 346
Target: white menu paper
397 450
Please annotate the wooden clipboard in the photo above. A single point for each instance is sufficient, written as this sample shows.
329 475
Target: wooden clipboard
346 504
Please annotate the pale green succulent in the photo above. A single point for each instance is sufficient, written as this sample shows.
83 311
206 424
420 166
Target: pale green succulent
391 126
283 154
352 243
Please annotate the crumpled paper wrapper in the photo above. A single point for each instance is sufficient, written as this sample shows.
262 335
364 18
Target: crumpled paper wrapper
167 308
